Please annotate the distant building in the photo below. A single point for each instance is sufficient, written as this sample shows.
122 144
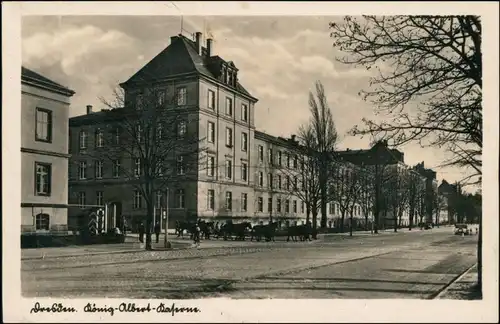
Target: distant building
44 153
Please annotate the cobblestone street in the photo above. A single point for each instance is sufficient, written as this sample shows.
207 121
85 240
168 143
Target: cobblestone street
409 265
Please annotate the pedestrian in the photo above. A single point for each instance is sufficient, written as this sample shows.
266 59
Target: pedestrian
157 231
196 235
141 232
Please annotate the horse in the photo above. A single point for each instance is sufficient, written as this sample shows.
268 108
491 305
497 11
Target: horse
237 229
206 228
180 226
267 231
302 232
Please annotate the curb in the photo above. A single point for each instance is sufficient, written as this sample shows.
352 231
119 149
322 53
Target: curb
101 253
444 290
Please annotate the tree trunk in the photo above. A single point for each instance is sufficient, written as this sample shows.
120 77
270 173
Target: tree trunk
149 223
308 212
412 212
366 221
342 220
324 192
350 225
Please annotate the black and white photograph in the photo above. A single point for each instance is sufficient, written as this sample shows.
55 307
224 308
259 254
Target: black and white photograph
170 158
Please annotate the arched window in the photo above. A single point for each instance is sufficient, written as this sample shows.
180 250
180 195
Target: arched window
42 222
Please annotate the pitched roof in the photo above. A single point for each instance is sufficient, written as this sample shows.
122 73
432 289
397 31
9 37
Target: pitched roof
180 57
36 79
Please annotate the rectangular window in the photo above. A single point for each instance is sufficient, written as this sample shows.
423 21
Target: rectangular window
159 130
180 198
211 132
82 199
260 204
137 199
269 204
98 169
116 168
180 165
159 198
43 128
138 102
181 129
99 198
261 153
181 96
229 137
287 183
270 156
244 201
137 167
302 206
83 140
229 106
229 200
331 208
278 205
244 171
244 112
295 183
211 166
161 98
82 170
211 199
279 158
229 169
43 179
42 222
295 162
287 206
261 179
138 133
287 160
278 179
270 180
117 136
99 138
295 206
244 142
211 99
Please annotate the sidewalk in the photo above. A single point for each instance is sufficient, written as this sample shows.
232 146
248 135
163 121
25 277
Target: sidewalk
465 288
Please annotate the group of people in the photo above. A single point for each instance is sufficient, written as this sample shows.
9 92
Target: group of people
156 230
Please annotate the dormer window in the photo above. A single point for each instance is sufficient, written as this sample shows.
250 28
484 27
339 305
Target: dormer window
230 78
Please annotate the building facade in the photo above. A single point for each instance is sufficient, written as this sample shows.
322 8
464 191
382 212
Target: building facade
245 174
44 154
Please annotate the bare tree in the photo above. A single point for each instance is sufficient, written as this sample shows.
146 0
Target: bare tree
324 139
151 142
432 61
414 187
397 194
346 189
304 173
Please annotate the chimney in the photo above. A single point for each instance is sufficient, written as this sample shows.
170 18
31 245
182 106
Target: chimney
209 46
198 42
89 109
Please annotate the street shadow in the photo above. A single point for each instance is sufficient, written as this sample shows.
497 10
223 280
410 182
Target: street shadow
418 271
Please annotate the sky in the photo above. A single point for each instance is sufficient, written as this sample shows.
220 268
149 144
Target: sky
279 59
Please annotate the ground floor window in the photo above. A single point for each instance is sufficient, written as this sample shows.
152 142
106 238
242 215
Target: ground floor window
42 222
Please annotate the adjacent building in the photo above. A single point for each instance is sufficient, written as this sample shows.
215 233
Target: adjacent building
44 154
